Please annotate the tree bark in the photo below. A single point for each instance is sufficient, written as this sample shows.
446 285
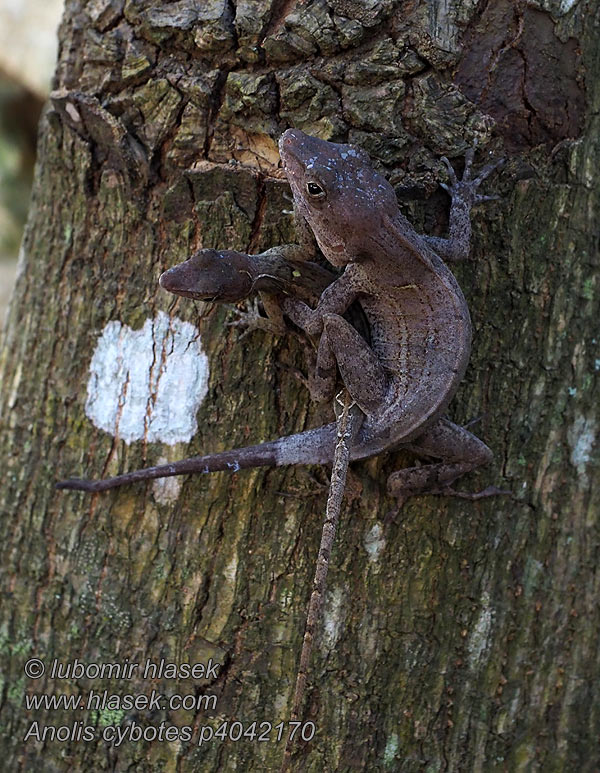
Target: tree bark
461 637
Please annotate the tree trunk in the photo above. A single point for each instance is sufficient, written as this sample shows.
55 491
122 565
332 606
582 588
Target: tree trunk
461 637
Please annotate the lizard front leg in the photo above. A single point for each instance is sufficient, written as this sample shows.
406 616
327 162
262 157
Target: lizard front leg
251 319
340 346
464 197
301 254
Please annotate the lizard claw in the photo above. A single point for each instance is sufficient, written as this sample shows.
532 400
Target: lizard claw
392 516
451 173
443 491
488 169
490 491
480 199
466 187
469 156
297 374
472 421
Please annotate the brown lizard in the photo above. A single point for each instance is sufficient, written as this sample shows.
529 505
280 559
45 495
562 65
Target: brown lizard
419 326
227 276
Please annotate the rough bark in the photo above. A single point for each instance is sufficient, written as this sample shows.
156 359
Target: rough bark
462 637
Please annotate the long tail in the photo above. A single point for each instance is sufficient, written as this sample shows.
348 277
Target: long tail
316 446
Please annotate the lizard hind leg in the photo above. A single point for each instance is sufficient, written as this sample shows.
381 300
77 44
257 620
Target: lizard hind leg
460 452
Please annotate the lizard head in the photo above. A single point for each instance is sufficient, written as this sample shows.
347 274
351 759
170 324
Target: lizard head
337 191
210 275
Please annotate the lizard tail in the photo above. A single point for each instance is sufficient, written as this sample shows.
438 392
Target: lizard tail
315 446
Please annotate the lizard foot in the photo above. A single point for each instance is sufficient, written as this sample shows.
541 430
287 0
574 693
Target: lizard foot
490 491
253 320
473 421
466 188
392 515
401 497
443 491
306 382
296 373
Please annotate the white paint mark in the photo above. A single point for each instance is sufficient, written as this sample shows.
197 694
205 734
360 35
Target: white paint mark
149 382
581 436
333 618
478 641
374 542
166 490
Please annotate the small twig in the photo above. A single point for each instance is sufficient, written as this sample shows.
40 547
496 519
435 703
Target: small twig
345 430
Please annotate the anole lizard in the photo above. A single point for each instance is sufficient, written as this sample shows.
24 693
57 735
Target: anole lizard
419 325
226 276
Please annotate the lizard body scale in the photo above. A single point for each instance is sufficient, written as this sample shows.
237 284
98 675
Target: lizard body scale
419 326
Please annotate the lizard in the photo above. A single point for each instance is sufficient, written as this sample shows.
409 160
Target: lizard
227 276
403 379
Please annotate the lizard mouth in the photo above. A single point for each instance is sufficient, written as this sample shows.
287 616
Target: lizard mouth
289 143
167 282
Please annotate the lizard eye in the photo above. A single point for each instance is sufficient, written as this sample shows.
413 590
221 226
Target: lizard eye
314 190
